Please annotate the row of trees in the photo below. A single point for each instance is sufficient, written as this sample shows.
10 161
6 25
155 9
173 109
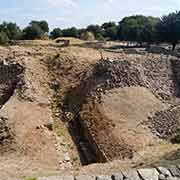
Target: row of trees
133 28
35 30
106 31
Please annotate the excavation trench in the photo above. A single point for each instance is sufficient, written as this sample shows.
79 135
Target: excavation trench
88 150
84 128
9 80
92 132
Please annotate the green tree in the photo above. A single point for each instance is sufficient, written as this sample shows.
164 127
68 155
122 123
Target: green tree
95 29
138 28
36 30
168 29
99 37
148 32
110 30
70 32
108 25
12 30
3 38
42 24
56 33
33 31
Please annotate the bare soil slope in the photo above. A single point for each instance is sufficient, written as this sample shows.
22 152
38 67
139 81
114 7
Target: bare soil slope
128 109
118 105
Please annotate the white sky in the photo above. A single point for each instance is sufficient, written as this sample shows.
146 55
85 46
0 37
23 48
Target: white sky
80 13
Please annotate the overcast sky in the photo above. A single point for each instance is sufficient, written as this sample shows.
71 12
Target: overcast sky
80 13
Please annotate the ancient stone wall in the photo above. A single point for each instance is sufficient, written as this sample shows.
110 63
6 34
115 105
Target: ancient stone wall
158 173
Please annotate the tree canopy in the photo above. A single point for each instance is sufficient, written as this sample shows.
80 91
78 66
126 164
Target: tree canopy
55 33
35 30
12 31
110 30
42 24
3 38
137 28
95 29
168 29
70 32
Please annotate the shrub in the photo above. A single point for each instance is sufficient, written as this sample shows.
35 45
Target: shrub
56 33
3 38
99 37
32 32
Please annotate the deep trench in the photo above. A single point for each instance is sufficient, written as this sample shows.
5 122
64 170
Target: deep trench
10 77
88 151
9 81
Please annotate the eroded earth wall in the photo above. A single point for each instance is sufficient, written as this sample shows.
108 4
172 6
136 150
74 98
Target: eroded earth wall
159 77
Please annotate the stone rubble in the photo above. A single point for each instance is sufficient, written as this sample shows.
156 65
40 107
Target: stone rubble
158 173
166 122
164 171
131 174
149 174
4 130
84 177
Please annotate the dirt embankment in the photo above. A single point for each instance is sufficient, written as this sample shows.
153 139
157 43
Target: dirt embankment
10 79
27 142
116 105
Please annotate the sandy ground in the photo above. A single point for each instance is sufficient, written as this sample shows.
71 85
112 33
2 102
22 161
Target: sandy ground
128 109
